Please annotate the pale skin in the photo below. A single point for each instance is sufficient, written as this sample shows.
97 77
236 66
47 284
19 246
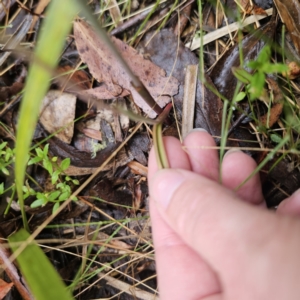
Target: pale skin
212 242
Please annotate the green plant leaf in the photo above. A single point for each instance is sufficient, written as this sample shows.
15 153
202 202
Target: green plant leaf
65 164
276 138
55 27
54 159
60 185
8 155
64 196
74 198
257 85
240 96
34 160
40 275
75 181
54 195
264 55
39 152
28 191
159 148
291 117
2 145
242 75
54 176
48 165
274 68
5 171
262 59
43 197
37 203
46 149
55 207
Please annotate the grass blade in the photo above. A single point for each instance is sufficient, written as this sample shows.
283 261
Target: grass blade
42 279
55 28
158 143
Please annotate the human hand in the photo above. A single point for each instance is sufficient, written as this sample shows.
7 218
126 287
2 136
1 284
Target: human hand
212 242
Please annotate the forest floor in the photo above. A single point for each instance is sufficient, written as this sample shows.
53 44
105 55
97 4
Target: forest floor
85 193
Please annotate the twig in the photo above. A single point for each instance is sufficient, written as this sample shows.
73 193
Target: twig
212 36
188 105
183 19
17 38
115 12
126 288
13 274
131 22
5 6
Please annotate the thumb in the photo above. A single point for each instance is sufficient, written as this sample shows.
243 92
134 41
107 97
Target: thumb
234 237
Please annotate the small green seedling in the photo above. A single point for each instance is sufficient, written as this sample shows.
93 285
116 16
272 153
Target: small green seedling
62 190
61 183
6 154
261 66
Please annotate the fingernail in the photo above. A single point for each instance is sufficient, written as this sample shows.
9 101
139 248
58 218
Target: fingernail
232 150
198 130
164 184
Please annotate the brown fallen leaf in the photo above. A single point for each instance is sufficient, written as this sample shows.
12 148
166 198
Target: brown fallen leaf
101 92
289 12
272 117
258 11
247 6
184 18
115 81
235 8
250 8
138 197
74 78
165 51
7 91
232 10
92 133
293 71
4 288
138 168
